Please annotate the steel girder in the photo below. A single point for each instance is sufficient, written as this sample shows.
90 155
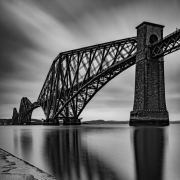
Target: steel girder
166 46
76 76
24 113
15 117
30 110
87 91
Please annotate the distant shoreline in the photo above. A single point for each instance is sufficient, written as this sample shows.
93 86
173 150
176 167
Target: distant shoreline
116 122
104 122
95 122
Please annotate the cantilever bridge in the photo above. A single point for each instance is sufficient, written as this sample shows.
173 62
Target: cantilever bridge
76 76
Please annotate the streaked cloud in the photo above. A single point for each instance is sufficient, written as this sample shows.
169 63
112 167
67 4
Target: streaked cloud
33 32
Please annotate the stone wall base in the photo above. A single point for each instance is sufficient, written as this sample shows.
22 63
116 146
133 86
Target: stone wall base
149 118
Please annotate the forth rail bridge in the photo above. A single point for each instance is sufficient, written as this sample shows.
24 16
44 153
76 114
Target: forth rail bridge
76 76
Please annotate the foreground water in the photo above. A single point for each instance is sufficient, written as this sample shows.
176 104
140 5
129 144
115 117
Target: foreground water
97 152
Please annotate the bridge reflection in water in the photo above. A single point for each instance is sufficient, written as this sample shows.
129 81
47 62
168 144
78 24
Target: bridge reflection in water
69 159
94 153
72 153
149 150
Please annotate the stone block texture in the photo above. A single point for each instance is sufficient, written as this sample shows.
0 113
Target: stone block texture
149 100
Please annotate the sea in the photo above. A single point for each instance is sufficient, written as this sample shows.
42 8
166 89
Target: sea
97 152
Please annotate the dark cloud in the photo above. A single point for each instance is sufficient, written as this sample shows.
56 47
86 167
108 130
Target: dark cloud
14 42
71 10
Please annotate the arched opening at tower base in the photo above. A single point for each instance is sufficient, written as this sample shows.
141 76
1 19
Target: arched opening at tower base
38 116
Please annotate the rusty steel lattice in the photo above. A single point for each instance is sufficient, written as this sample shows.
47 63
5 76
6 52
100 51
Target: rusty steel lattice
76 76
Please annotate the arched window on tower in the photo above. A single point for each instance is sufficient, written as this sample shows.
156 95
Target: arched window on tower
153 38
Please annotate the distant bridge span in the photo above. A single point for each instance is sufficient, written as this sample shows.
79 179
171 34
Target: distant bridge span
76 76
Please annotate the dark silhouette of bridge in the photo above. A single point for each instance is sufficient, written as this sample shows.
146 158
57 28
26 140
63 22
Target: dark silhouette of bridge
76 76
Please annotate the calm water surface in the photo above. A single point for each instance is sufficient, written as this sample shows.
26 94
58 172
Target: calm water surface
97 152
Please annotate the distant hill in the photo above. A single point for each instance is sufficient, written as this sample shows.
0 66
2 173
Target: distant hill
175 122
4 121
104 122
116 122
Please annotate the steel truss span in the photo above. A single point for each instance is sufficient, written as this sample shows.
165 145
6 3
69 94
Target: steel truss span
76 76
25 110
166 46
25 105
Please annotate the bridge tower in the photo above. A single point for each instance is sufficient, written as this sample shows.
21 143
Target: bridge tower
149 100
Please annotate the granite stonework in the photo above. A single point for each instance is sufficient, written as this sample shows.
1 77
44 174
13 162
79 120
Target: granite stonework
13 168
149 100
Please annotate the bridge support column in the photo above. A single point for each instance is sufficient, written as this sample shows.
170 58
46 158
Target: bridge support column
72 121
51 122
149 101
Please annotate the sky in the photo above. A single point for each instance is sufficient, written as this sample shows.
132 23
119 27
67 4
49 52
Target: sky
34 32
